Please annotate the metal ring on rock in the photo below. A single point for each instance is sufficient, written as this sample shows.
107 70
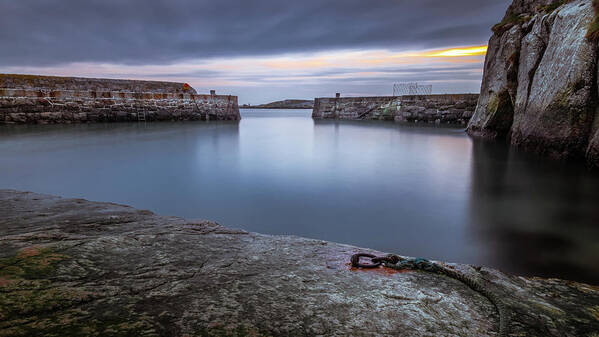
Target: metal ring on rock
355 261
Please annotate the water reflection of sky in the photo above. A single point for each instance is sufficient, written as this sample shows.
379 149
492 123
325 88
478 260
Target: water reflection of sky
419 191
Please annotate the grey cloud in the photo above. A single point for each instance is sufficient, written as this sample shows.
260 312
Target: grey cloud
50 32
386 74
421 78
465 68
190 74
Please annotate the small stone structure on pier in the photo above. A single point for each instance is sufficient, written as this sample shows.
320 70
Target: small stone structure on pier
445 109
31 99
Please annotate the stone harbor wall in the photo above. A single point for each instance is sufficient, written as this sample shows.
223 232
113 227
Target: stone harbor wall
446 109
115 103
383 107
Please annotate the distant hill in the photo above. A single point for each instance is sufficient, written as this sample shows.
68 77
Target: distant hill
285 104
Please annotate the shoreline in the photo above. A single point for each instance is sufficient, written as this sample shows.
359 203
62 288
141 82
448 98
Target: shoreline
145 273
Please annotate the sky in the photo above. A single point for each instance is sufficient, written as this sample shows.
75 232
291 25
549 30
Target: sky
259 50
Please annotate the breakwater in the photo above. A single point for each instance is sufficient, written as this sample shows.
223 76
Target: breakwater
446 109
29 99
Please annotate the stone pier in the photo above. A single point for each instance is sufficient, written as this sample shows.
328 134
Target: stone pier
29 99
440 109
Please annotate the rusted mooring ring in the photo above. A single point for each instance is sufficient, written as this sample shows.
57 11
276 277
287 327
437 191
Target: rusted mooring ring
355 261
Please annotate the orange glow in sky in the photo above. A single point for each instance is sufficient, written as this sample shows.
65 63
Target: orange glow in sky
374 58
457 52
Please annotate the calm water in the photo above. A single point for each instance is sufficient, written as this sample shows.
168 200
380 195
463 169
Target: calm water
418 191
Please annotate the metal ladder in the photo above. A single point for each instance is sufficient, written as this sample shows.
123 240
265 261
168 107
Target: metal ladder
367 112
141 116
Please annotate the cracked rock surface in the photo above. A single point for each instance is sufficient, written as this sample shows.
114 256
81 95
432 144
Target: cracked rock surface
74 267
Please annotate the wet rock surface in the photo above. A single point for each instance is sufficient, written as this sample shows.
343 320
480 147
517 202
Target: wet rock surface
74 267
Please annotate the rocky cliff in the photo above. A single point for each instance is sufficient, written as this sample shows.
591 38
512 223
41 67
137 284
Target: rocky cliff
539 86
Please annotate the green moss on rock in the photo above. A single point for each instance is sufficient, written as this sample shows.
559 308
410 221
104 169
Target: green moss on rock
73 322
33 303
562 98
493 104
30 263
550 8
562 104
25 287
595 312
509 22
500 113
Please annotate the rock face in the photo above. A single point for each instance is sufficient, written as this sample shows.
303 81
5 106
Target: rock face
540 80
446 109
70 267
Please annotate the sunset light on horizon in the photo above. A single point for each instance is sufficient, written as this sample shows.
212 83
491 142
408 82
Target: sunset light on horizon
458 52
339 69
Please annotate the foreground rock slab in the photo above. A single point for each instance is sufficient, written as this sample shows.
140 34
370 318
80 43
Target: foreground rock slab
74 267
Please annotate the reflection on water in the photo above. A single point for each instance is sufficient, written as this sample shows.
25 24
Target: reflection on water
535 216
418 191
